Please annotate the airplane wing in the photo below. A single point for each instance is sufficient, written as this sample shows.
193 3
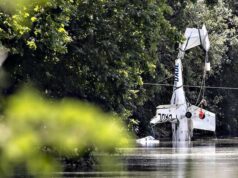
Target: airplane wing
208 123
167 113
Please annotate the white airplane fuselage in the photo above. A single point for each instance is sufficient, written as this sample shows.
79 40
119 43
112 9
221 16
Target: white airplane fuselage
180 128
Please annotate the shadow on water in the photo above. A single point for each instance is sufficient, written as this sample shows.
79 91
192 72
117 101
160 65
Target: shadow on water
202 158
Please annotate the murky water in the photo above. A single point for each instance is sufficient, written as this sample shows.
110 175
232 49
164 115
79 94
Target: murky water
204 158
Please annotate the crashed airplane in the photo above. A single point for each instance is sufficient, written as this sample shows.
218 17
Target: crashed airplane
183 116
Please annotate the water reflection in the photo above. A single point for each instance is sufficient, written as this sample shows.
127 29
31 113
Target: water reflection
214 158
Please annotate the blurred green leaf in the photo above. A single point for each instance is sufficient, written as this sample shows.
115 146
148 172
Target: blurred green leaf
32 122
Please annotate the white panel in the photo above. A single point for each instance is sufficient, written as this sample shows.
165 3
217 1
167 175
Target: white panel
164 113
178 96
194 37
168 113
208 123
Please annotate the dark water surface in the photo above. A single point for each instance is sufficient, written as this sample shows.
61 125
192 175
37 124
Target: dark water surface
217 158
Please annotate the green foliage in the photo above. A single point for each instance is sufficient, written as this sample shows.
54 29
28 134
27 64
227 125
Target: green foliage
104 51
100 51
28 25
31 123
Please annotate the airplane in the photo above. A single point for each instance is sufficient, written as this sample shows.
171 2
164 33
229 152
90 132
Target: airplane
183 116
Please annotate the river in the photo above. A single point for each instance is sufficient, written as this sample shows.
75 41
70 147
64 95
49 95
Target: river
216 158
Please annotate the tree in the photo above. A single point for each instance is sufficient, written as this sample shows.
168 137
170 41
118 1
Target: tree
99 51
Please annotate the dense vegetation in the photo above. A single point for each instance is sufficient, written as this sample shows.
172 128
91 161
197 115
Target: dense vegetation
104 51
38 135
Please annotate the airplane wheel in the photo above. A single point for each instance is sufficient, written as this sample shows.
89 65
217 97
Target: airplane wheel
188 114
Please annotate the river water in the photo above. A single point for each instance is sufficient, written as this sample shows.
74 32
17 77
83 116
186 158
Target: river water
216 158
